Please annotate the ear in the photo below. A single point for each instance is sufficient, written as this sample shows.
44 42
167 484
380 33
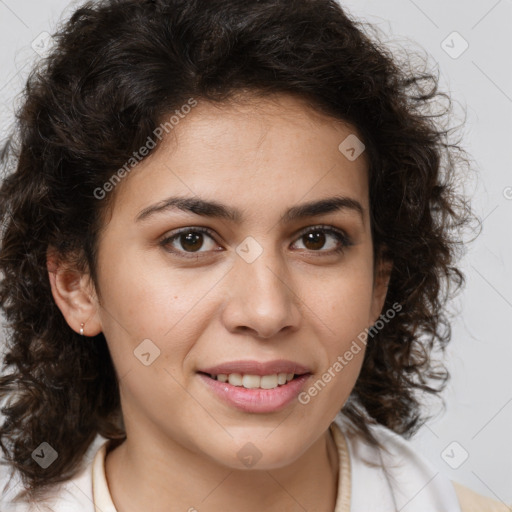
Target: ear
380 287
74 294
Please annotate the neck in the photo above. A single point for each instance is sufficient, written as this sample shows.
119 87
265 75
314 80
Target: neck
139 475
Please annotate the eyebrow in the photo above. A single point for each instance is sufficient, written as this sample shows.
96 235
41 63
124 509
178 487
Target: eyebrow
218 210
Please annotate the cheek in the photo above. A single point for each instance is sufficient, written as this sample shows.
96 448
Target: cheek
342 309
147 299
151 301
343 301
328 391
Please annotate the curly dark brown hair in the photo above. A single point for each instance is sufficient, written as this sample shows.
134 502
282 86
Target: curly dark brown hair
117 69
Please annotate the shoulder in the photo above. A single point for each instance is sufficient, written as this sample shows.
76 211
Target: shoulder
402 477
74 494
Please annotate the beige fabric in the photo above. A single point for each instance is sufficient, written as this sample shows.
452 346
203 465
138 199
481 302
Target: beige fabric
470 501
343 496
100 493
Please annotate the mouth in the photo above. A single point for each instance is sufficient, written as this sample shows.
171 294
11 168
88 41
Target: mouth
251 381
251 393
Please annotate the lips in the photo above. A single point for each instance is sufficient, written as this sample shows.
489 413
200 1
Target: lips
254 386
257 368
256 400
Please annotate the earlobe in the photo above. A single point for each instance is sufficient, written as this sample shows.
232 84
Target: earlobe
70 290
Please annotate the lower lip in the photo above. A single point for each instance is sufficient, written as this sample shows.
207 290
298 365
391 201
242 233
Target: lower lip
256 400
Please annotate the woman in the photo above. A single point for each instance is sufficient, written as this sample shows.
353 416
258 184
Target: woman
224 249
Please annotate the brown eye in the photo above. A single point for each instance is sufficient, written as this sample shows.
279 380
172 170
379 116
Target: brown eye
314 239
191 241
188 241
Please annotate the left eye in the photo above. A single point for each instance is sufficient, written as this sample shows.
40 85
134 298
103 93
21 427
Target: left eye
192 240
316 237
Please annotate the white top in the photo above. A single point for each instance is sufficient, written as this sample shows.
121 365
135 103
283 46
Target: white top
371 479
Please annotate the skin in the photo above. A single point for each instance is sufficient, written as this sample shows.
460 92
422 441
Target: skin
299 300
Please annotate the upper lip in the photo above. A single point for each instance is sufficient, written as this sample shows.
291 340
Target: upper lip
251 367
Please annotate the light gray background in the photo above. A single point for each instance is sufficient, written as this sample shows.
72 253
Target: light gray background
478 417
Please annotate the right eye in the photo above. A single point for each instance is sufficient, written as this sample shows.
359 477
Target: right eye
191 240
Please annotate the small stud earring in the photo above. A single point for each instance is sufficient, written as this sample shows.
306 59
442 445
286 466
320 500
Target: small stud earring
82 329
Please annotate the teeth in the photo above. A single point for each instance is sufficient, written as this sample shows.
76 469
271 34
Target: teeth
255 381
235 379
251 381
268 381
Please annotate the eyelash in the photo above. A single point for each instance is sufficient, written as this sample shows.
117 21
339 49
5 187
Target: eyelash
340 235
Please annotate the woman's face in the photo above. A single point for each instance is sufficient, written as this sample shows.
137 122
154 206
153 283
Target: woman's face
260 291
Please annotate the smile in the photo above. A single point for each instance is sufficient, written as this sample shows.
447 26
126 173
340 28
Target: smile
254 381
247 394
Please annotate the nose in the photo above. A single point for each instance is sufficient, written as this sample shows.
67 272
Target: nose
261 300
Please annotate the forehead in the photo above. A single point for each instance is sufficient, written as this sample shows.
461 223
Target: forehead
255 152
